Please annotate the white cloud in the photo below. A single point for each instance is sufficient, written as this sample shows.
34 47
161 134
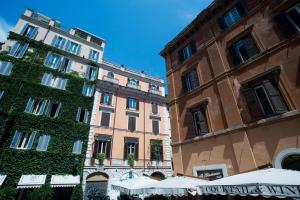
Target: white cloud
5 27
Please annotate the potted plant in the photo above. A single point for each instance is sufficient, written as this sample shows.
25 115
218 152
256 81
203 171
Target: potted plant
101 157
131 160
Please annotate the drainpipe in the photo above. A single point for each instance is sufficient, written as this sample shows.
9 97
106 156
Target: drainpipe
144 134
113 132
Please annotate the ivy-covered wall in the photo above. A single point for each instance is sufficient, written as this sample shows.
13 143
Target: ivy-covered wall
23 83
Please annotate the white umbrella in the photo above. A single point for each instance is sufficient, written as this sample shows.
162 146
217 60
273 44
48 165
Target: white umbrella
268 182
176 186
131 185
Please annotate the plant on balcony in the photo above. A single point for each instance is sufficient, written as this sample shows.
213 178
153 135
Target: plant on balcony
101 157
131 160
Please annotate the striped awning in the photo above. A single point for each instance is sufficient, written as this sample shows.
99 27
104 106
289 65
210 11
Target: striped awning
31 181
2 178
64 180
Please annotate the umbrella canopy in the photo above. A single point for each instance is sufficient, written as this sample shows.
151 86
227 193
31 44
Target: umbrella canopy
267 182
130 186
176 186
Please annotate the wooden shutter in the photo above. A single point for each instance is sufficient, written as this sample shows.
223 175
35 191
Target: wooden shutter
108 149
189 123
154 108
137 104
250 46
155 126
275 97
125 150
195 77
234 56
95 149
203 122
127 103
131 123
253 104
285 25
102 98
105 118
136 151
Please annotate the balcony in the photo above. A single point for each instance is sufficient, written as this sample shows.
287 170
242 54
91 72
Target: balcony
110 79
134 86
157 92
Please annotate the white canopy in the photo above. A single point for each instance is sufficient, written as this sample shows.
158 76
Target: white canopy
131 186
31 181
267 182
176 186
64 180
2 178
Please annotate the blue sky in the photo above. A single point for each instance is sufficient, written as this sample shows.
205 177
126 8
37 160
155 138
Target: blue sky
135 30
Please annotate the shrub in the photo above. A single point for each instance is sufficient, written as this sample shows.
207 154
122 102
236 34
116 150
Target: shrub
7 193
77 193
131 160
45 192
101 157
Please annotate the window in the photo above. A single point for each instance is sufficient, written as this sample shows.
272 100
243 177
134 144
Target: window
155 126
132 103
88 90
110 75
289 21
29 31
156 150
73 47
58 62
105 119
77 147
91 73
131 146
264 99
131 123
153 87
187 51
190 80
43 142
200 121
5 68
1 94
94 55
243 50
106 98
42 107
22 140
232 16
133 81
58 42
18 50
154 108
56 82
102 145
82 115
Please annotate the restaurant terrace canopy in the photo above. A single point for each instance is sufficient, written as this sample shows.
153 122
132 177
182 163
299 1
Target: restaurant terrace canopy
268 182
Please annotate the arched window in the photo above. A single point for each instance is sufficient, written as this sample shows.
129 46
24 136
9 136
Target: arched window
291 162
96 186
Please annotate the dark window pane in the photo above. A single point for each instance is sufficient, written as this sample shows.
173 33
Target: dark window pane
264 101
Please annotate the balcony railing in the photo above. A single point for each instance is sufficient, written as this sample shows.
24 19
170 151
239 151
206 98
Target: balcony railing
130 85
112 80
155 91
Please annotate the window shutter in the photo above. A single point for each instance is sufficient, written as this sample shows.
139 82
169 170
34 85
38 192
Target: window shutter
14 49
189 121
155 126
63 41
125 150
285 25
69 65
86 116
23 50
137 104
95 150
152 149
250 46
127 103
275 97
193 47
161 150
29 105
34 33
108 149
41 141
88 68
105 118
130 126
15 140
97 56
136 151
110 98
43 107
222 23
234 56
195 78
67 48
133 123
203 122
183 82
31 140
57 110
102 98
24 28
253 104
154 108
91 54
78 114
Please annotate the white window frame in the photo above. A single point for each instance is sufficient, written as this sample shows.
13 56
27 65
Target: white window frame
131 147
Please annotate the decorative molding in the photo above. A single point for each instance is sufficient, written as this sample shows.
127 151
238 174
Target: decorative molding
283 154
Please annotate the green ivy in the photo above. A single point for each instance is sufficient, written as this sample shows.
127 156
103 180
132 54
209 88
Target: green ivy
23 83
